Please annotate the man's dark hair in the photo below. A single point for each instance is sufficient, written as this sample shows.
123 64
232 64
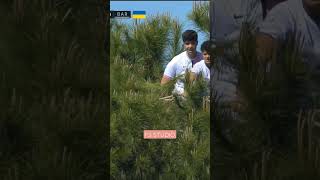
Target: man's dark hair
206 46
189 35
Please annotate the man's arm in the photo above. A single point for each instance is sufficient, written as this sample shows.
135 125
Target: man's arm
273 30
169 72
165 79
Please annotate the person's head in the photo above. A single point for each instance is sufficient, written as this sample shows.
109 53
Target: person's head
206 47
312 7
190 42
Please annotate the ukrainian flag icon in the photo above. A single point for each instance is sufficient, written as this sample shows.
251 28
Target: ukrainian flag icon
139 14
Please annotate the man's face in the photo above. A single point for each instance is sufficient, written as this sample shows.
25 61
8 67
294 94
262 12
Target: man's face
206 57
313 6
190 47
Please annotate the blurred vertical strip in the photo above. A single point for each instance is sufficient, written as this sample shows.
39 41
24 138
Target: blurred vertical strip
211 17
106 5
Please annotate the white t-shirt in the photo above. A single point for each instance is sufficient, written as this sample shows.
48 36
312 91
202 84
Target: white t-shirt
228 16
290 16
178 66
202 68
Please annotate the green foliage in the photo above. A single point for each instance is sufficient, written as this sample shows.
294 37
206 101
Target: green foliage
175 40
261 142
200 16
52 87
136 108
147 43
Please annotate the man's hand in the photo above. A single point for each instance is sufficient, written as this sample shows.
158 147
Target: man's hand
266 47
193 77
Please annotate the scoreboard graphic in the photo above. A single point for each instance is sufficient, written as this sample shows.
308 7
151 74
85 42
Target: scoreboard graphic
128 14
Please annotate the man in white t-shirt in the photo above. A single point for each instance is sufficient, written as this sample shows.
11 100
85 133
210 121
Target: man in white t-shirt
300 16
203 67
294 16
183 62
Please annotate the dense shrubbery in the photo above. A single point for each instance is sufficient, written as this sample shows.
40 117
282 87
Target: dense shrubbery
52 87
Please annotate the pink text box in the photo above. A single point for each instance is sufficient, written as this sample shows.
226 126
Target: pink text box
159 134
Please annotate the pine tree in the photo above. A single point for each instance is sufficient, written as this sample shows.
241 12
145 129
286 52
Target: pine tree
136 107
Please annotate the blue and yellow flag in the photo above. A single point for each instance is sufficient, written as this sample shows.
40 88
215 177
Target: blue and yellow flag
139 14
